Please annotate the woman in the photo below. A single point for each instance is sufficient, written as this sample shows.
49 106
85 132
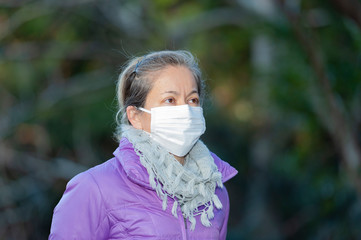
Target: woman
163 183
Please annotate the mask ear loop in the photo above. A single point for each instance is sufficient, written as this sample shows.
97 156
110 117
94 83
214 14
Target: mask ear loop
144 110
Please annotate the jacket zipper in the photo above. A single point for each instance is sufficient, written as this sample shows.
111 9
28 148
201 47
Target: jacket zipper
184 227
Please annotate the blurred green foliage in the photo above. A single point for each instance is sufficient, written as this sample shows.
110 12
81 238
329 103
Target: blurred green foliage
283 106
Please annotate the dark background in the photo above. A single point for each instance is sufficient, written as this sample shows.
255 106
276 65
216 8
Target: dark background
284 104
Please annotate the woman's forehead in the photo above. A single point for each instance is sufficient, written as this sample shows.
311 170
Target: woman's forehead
174 78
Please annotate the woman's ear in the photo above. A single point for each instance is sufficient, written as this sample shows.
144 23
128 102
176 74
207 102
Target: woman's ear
133 117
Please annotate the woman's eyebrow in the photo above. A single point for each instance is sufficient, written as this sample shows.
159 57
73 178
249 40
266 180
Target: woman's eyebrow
194 91
177 93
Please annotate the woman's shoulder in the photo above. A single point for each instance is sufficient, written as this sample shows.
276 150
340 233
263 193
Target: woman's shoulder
105 171
97 180
98 172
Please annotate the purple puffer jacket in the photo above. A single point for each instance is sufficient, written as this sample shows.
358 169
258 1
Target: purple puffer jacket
114 200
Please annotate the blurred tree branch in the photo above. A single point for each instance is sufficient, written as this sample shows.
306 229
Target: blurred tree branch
207 20
53 94
335 115
350 8
21 16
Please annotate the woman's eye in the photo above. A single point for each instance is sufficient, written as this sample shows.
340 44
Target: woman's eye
169 100
194 101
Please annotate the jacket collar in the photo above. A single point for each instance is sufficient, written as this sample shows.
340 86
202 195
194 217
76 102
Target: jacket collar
135 171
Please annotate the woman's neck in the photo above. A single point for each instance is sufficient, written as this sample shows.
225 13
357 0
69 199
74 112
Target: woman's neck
179 159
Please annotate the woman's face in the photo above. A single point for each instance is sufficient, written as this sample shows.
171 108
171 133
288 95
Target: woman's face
172 86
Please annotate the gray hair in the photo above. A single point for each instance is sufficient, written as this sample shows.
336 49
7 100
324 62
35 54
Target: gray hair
135 80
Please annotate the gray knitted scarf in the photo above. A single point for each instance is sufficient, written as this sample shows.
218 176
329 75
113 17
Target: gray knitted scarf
192 185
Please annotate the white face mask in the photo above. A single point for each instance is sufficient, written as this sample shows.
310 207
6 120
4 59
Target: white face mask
176 128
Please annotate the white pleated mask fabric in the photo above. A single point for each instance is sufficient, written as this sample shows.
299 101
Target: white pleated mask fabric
176 128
